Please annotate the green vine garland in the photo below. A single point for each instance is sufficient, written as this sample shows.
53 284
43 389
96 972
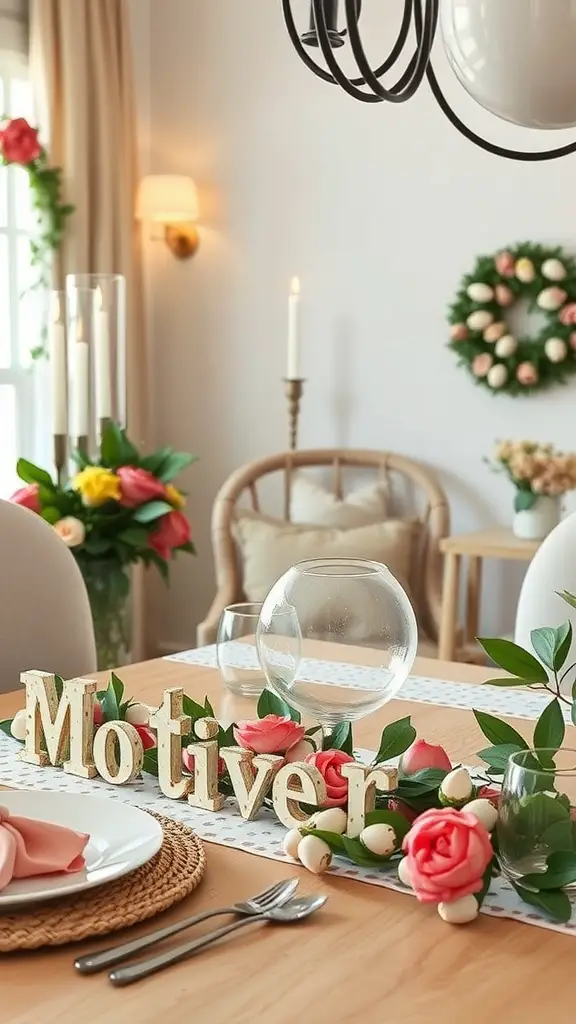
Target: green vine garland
546 279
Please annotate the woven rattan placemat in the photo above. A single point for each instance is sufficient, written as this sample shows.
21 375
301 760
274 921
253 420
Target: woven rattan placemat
174 873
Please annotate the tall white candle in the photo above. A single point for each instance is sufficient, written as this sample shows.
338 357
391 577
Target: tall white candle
293 368
58 373
80 385
102 353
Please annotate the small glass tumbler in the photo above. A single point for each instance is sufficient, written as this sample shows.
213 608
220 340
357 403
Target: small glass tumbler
536 808
236 650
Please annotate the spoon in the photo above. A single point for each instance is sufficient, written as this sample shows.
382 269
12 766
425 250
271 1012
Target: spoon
295 910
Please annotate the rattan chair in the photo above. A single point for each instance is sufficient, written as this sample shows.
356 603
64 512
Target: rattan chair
414 491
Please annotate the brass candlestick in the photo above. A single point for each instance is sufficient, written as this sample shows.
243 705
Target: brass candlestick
103 424
82 445
293 388
60 457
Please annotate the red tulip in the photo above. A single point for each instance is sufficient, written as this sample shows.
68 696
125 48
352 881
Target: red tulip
138 486
27 497
19 142
423 755
172 531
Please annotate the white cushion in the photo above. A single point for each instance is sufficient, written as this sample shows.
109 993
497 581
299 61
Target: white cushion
312 504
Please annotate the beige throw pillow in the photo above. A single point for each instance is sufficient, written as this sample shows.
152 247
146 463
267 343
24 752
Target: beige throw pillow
310 503
268 547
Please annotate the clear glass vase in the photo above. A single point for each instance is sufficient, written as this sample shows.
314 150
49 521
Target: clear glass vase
109 590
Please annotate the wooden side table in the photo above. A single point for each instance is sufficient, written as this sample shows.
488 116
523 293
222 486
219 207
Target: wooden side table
497 543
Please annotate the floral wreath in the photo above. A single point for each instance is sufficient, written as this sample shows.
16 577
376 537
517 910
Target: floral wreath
479 334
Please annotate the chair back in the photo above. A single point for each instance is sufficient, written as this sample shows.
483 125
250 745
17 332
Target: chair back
45 619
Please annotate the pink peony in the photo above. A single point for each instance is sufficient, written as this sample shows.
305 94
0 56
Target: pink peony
138 486
481 364
458 332
172 531
19 142
329 764
505 264
447 854
423 755
567 314
527 374
27 497
274 734
504 296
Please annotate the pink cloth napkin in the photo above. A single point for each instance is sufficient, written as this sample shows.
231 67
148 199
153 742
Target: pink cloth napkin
29 848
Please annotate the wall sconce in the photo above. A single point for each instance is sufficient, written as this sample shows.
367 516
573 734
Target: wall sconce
171 200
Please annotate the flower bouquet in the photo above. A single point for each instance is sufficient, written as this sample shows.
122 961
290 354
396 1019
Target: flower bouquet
540 474
120 509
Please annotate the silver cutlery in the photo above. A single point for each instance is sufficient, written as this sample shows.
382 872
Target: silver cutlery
293 911
272 897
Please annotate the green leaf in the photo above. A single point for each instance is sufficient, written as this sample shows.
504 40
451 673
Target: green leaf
358 854
563 647
556 904
208 709
550 728
173 464
560 871
506 681
339 739
524 500
399 823
334 841
32 474
110 709
498 756
51 515
110 446
134 536
270 704
59 686
420 783
5 726
549 644
95 545
566 596
151 511
560 836
150 762
514 659
395 739
153 558
118 687
499 732
154 461
226 737
191 708
486 879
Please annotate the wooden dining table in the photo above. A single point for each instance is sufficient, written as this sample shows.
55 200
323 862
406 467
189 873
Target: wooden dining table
371 956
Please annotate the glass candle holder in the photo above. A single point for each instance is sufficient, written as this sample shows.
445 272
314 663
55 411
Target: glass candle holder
81 329
236 650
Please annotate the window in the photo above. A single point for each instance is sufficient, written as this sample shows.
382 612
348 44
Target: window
22 380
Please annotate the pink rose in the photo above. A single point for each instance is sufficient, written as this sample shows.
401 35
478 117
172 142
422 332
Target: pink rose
448 852
27 497
19 142
423 755
458 332
329 764
568 314
526 373
138 485
505 264
173 531
481 364
504 296
273 734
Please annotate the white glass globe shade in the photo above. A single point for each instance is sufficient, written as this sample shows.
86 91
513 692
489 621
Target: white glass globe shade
515 57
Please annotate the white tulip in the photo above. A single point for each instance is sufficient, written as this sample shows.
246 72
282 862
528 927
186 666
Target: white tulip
506 346
480 292
333 819
460 911
483 811
497 376
479 320
379 839
456 788
551 299
314 854
556 350
553 270
404 873
18 725
138 714
291 843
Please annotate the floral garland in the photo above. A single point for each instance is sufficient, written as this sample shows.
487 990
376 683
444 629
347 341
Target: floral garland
479 334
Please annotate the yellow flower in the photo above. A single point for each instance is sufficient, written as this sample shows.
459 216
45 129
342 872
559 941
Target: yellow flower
97 485
174 496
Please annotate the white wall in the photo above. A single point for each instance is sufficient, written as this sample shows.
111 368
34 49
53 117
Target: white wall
380 210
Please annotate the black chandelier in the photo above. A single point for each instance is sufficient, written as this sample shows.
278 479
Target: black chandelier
323 33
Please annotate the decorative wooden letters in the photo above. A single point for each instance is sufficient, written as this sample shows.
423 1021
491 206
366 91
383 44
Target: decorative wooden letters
118 752
294 784
205 793
171 724
362 785
59 731
251 776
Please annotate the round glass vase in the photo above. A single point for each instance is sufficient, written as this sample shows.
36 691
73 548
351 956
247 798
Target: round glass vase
108 583
537 522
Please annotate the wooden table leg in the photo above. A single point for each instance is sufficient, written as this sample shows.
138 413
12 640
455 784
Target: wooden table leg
449 616
473 590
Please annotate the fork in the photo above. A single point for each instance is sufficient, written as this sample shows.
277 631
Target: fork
275 896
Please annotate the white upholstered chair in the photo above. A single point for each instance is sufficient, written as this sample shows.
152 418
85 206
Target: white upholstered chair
45 620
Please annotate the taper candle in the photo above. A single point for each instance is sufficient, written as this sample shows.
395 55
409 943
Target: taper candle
58 370
80 384
102 353
293 369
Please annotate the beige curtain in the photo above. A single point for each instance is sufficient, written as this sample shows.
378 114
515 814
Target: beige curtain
82 67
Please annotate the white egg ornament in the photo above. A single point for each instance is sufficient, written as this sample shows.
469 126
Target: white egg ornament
497 376
456 788
18 726
553 270
494 332
379 839
506 346
556 350
480 292
404 875
291 843
479 320
461 911
333 819
484 812
138 714
314 854
551 299
525 271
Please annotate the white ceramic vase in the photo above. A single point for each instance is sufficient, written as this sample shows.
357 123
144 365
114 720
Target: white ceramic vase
552 569
537 522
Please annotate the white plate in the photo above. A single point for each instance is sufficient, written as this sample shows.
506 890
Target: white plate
122 838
